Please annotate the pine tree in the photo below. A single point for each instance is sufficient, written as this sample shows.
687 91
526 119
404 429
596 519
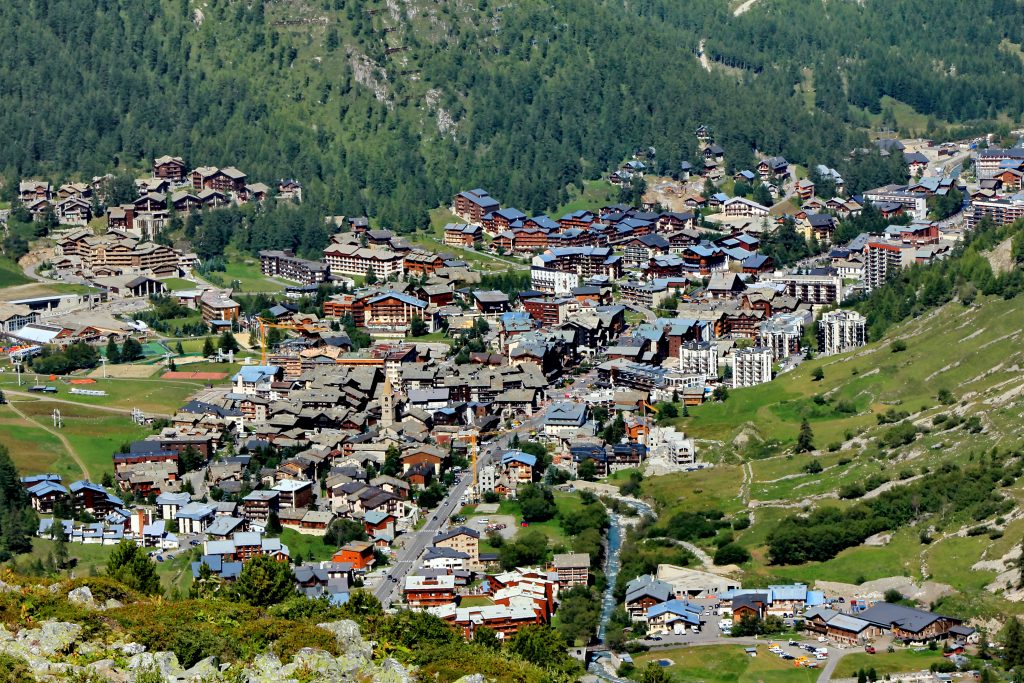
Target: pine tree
113 353
228 342
805 439
208 349
1013 643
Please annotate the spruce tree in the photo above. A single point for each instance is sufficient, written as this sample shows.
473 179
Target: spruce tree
113 353
805 439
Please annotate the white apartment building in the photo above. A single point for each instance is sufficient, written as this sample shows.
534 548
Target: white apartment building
668 445
553 281
751 367
840 331
699 358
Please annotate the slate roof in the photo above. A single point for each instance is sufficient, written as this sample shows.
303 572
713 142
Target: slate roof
647 585
886 615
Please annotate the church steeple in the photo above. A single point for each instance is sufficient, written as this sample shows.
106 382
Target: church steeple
387 403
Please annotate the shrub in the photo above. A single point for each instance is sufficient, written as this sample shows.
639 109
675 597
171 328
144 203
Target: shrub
813 467
741 523
852 490
899 346
731 553
899 435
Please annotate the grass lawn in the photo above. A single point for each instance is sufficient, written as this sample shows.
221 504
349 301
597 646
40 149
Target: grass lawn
715 488
150 395
726 664
95 435
434 337
479 260
475 601
901 661
175 574
567 504
176 283
34 289
861 563
441 217
33 449
246 270
303 545
595 194
10 273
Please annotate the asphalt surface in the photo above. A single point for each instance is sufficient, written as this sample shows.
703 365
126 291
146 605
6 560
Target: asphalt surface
388 586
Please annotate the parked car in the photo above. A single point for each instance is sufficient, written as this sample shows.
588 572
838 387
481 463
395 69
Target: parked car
870 649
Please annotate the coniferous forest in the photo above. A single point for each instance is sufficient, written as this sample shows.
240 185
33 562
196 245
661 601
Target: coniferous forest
387 110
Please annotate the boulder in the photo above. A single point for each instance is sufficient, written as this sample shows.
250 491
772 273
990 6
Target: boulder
349 639
166 663
50 638
132 649
320 664
472 678
392 671
204 669
82 596
106 670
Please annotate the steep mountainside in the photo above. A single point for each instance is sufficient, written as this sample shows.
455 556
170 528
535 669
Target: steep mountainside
387 107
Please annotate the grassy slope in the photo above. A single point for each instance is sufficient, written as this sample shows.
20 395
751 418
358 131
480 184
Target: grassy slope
10 273
724 663
972 352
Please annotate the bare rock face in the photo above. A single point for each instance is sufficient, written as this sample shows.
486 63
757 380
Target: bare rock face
45 651
166 663
348 637
82 596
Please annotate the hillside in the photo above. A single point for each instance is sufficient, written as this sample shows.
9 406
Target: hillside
387 108
98 629
959 382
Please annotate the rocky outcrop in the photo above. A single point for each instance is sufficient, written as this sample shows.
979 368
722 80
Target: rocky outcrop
54 652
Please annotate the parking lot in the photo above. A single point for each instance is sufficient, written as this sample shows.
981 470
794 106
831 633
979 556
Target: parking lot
711 632
507 531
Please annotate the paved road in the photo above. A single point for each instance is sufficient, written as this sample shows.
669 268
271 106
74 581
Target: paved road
416 542
650 315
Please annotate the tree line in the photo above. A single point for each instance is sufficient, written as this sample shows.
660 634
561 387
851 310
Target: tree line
561 91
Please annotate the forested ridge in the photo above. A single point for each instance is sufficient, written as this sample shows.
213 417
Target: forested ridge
387 110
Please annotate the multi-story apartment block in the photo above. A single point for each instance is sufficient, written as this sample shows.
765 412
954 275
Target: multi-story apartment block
553 281
584 261
473 205
572 568
284 264
882 258
352 259
988 163
812 289
1002 211
698 358
751 367
781 333
913 203
840 331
